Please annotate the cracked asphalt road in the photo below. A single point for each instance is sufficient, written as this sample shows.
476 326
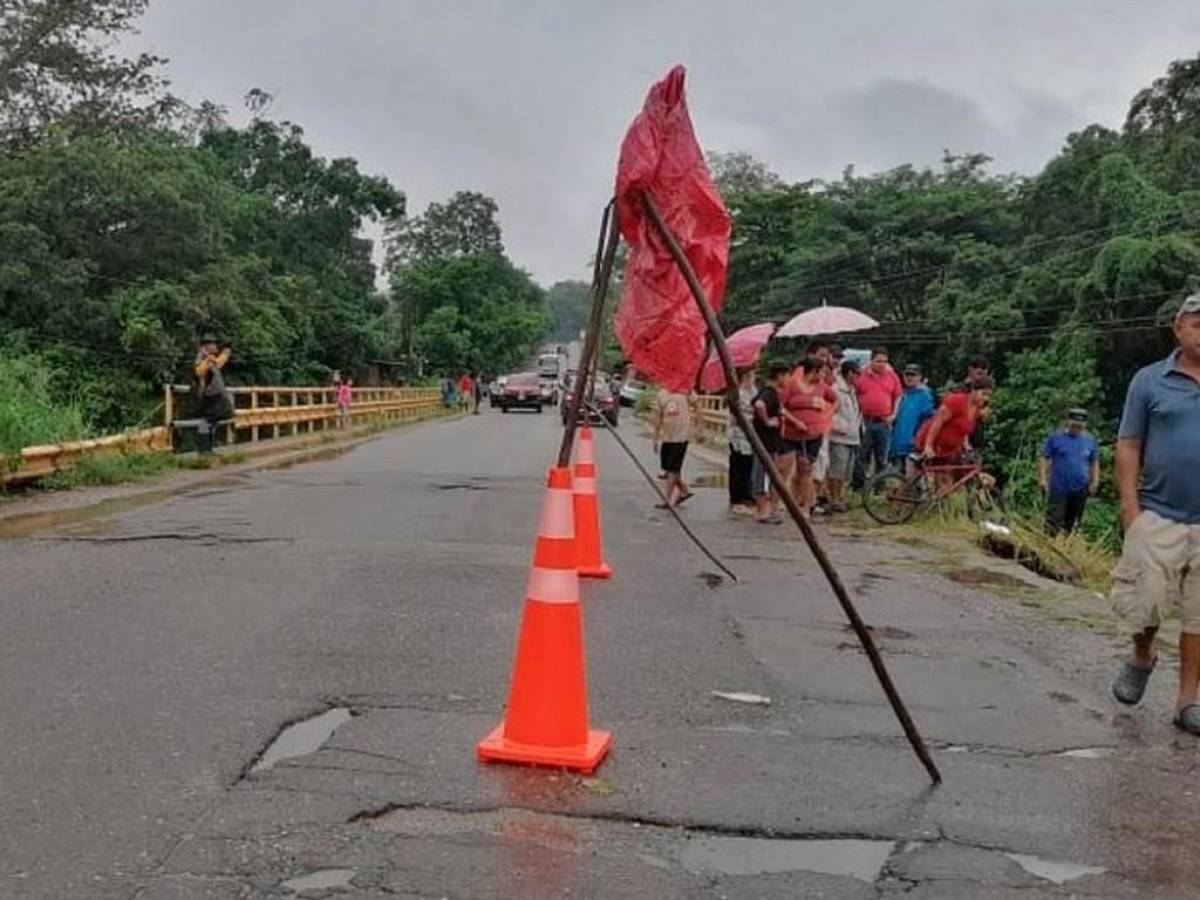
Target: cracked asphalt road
147 658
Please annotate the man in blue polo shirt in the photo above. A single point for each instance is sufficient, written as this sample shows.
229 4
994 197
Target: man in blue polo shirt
1069 472
1158 448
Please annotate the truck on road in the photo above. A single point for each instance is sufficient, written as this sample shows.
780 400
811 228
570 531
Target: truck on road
552 372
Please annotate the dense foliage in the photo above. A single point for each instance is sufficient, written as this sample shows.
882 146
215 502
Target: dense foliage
464 305
129 224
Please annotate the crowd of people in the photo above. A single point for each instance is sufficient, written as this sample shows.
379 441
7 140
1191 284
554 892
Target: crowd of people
831 424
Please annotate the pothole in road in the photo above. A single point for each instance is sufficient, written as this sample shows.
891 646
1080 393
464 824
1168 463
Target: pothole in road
861 859
302 738
1050 870
690 848
320 880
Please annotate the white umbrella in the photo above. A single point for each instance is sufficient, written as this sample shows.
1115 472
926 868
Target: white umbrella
826 320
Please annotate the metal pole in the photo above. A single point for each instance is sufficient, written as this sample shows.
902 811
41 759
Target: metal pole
603 275
810 537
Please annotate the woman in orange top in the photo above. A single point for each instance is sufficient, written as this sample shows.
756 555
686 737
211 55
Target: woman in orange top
806 403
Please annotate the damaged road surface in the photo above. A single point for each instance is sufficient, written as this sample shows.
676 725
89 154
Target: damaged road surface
276 691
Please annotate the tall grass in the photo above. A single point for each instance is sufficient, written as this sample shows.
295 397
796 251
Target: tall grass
29 413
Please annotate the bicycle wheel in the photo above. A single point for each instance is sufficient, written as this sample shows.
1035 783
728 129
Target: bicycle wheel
891 499
986 504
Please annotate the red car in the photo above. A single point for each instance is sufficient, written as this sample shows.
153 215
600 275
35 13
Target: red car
521 392
603 399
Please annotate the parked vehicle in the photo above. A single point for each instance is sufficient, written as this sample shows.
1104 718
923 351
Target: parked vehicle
632 390
521 392
496 389
603 398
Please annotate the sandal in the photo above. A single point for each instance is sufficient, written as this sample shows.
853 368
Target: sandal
770 520
1130 684
685 497
1188 719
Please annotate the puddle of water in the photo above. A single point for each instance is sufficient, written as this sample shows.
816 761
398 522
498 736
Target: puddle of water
859 859
25 524
1050 870
320 880
302 738
1089 753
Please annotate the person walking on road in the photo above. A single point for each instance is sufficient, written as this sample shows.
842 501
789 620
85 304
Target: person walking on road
915 406
741 456
466 392
879 393
845 436
1068 472
1158 446
767 422
476 392
806 403
672 421
208 385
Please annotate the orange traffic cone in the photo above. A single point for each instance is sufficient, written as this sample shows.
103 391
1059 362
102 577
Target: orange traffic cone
588 542
546 722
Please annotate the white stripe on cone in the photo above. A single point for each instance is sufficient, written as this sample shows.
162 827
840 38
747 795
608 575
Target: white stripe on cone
584 452
553 585
584 485
558 514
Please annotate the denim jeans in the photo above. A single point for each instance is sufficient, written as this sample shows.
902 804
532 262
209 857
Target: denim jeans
876 437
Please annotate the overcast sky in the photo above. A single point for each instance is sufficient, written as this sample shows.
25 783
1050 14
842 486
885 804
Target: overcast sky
527 100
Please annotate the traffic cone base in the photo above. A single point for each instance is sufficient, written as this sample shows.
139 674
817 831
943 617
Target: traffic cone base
601 571
585 758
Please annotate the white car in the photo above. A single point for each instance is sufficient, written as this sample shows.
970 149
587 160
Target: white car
632 390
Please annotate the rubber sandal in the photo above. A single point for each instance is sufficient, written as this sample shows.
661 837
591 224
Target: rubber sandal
1188 719
1130 684
688 496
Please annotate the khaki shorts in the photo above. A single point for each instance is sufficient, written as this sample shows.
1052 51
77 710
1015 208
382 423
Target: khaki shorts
1159 570
821 463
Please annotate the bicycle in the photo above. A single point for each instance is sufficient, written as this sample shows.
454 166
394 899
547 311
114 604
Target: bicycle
892 498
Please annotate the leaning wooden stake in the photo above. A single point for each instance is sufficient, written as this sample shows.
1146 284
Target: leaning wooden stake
610 235
734 401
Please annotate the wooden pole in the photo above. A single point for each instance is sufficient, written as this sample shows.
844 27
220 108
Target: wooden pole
810 537
603 274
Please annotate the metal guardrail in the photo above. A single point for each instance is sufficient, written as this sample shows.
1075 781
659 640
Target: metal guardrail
712 420
267 413
46 459
260 414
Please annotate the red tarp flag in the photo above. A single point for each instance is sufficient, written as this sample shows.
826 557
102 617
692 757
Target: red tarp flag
658 324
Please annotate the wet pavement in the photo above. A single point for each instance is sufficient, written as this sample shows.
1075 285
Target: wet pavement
272 686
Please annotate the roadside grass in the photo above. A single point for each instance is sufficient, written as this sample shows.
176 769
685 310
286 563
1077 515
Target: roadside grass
110 468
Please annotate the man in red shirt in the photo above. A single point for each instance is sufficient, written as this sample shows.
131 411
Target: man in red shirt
879 392
945 437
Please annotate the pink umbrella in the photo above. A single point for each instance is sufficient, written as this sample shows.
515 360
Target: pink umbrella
745 346
826 320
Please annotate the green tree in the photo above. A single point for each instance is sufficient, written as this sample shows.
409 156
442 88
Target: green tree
57 66
569 304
